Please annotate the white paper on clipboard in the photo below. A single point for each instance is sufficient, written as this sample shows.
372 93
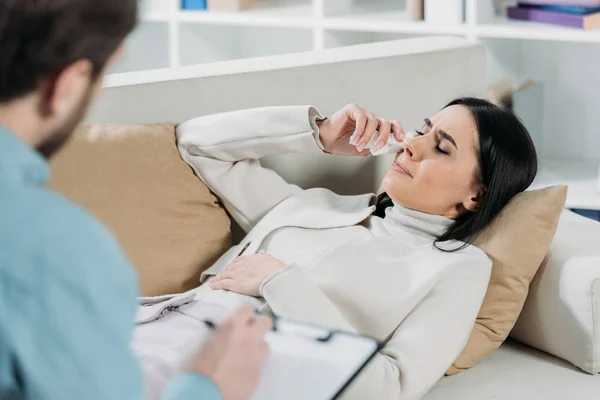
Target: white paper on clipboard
307 362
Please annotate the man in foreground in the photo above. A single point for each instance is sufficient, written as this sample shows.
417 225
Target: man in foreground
67 292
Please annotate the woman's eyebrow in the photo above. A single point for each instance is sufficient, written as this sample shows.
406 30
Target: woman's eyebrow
441 133
447 137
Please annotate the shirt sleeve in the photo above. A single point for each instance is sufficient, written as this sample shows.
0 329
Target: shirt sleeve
72 311
191 386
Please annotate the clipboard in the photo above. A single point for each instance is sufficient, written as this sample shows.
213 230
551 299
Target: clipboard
305 361
310 362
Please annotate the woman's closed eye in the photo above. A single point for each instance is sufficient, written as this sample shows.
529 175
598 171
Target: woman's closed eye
437 147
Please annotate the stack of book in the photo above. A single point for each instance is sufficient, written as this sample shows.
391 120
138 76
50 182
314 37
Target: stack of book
583 14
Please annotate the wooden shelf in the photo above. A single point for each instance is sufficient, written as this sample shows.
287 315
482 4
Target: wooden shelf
157 17
391 23
513 29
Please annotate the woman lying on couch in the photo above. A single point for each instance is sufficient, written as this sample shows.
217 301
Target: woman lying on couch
398 267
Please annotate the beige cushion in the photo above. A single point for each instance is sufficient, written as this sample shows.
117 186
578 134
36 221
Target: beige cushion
132 178
516 242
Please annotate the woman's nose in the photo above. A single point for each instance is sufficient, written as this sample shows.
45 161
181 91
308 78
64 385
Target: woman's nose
411 147
418 147
407 150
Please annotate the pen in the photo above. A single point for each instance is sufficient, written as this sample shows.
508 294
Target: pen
212 326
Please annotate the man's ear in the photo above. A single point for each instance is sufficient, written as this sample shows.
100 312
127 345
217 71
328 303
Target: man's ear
475 198
64 92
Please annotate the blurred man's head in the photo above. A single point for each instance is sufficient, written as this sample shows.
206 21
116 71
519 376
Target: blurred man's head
53 54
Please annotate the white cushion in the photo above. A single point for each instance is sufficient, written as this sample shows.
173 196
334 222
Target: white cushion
562 312
518 372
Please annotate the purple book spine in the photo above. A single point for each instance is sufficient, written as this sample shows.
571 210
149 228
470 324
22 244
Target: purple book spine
550 17
577 3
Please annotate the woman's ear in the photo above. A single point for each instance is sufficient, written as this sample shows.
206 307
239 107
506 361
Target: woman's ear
473 202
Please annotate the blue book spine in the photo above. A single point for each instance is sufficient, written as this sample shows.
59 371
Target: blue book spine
563 9
193 4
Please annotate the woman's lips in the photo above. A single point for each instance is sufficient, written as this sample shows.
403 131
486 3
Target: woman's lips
396 166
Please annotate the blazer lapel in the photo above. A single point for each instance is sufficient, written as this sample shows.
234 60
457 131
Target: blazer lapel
313 209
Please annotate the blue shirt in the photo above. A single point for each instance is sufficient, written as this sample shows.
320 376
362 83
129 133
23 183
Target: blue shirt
67 296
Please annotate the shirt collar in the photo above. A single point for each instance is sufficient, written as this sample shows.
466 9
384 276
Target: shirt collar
21 163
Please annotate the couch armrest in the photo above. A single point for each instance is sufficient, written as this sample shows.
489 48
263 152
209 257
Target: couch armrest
562 313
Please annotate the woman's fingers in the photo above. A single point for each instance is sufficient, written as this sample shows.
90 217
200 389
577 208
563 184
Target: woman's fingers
384 129
224 284
372 123
360 118
398 130
226 274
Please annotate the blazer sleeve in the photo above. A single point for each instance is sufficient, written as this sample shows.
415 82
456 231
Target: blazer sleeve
423 346
224 152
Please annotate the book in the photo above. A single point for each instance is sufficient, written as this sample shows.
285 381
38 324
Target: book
578 3
589 20
193 4
562 8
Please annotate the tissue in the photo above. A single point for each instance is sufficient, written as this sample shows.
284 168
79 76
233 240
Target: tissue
392 145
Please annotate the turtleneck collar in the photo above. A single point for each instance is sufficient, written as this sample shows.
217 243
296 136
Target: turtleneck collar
428 226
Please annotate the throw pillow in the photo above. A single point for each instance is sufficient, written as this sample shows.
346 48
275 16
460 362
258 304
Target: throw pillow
132 178
517 242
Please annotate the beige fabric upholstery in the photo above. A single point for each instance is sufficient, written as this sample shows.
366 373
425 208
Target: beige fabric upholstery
132 178
562 313
518 372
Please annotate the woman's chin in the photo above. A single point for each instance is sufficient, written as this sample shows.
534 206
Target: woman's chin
391 183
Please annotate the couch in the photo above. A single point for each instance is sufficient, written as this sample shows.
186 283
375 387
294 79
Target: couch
404 79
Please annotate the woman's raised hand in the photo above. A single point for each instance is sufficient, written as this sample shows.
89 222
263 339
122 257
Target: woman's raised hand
360 124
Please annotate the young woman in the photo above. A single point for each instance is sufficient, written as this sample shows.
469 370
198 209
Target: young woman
399 267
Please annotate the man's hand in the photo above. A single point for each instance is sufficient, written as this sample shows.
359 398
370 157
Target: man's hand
234 358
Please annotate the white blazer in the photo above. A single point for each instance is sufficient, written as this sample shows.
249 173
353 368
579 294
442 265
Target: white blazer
424 310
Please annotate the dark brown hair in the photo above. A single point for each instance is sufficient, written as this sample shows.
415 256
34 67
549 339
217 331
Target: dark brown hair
39 38
507 166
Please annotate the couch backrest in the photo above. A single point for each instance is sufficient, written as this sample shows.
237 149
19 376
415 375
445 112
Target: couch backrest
406 79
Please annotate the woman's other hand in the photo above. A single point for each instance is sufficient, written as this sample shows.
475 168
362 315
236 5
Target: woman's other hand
360 124
245 274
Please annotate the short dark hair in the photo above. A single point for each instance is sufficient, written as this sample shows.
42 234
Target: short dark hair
507 162
39 38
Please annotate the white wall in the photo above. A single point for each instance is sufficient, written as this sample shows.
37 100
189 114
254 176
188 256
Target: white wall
570 73
571 90
147 47
209 43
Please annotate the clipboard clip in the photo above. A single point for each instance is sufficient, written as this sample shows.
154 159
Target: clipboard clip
308 331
